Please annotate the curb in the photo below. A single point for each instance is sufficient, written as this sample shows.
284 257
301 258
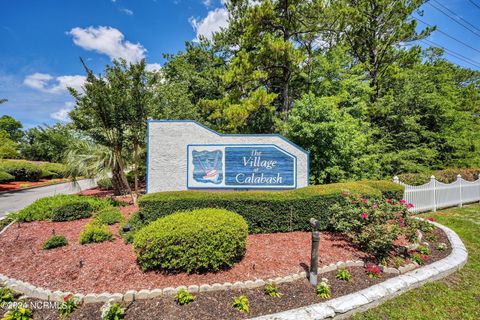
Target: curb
345 306
34 187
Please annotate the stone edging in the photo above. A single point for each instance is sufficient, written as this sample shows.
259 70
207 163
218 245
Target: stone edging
32 291
343 307
372 295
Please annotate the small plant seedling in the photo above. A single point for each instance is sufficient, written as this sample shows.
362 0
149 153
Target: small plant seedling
398 262
112 311
241 304
424 250
343 274
272 290
19 313
323 289
6 295
184 297
68 306
419 258
441 246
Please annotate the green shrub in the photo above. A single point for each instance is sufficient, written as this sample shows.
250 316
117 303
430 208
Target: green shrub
95 233
48 174
192 241
58 170
105 184
388 189
43 209
55 242
6 177
74 210
264 211
109 216
445 175
374 225
21 170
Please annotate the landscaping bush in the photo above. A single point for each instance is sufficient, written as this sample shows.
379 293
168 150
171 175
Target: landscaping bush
58 170
375 224
47 174
95 233
6 177
21 170
55 242
445 176
109 216
192 241
44 209
73 210
264 211
105 184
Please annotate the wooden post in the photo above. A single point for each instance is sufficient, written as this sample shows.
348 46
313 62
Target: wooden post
313 276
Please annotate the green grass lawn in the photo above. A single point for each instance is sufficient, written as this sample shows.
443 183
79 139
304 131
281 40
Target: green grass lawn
454 297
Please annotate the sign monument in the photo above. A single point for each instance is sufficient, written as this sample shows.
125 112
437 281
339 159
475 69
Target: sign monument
187 155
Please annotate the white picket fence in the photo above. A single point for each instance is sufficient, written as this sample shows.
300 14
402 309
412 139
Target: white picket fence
435 194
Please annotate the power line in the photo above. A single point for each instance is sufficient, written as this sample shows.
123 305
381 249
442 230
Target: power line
455 20
456 15
476 5
452 53
446 34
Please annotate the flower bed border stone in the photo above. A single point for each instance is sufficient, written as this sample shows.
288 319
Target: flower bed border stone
341 307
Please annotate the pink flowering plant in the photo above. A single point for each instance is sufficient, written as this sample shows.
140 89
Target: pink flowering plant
373 271
374 224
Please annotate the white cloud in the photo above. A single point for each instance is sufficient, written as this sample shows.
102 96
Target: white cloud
153 67
46 83
213 22
207 3
128 12
109 41
62 114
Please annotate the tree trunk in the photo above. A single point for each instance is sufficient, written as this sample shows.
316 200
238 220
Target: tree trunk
119 179
135 166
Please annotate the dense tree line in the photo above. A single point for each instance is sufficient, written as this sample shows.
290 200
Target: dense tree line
342 78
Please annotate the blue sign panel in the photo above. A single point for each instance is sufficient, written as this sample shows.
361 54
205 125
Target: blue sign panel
258 166
240 166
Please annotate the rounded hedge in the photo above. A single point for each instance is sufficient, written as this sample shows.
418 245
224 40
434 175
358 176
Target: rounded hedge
6 177
192 241
21 170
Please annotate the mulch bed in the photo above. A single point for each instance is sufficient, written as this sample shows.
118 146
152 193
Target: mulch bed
18 185
217 305
111 266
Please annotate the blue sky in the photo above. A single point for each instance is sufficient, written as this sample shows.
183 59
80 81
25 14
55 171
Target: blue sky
41 42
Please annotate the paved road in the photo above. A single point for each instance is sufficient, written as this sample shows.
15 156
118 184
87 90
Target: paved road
14 201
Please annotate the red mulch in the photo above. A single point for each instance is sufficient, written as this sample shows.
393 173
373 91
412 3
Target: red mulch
16 185
111 266
96 192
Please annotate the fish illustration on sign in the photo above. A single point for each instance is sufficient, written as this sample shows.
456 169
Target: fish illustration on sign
207 166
